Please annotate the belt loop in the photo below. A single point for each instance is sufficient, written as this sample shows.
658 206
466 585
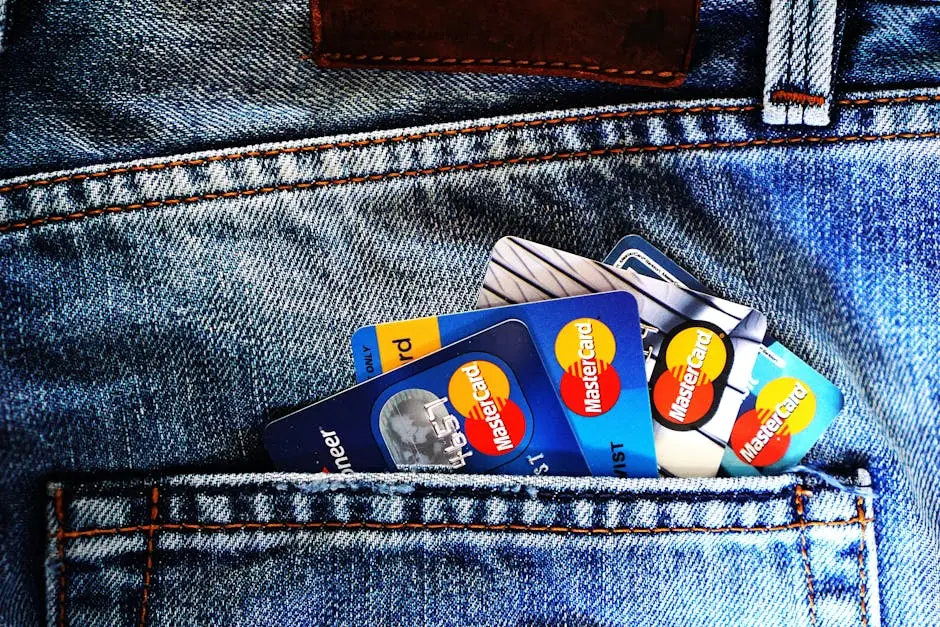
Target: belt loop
4 16
802 46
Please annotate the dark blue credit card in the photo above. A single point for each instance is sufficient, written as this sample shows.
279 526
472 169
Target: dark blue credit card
484 404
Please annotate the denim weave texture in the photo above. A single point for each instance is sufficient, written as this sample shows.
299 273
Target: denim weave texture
194 221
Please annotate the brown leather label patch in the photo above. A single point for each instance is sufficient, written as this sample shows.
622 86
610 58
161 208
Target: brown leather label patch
634 42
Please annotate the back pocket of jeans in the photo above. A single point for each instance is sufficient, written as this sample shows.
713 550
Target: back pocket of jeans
404 549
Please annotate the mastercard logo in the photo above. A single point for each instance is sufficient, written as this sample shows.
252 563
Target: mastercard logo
585 349
783 407
690 375
479 391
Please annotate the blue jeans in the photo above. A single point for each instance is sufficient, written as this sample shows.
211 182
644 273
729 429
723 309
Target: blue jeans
156 311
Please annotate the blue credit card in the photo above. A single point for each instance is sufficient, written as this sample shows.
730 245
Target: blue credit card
789 404
481 405
591 348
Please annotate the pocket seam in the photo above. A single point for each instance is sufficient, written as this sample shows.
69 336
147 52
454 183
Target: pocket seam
60 554
860 506
798 497
476 165
542 495
800 492
485 128
375 525
145 595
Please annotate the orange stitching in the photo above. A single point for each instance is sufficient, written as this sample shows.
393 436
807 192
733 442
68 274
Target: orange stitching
576 119
861 562
154 498
781 96
359 58
77 215
889 100
378 141
799 495
60 552
456 526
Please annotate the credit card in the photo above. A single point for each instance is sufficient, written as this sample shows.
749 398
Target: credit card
636 253
700 349
481 405
590 346
790 404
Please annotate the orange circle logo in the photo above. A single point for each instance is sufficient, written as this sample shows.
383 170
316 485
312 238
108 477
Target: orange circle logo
479 391
585 349
696 349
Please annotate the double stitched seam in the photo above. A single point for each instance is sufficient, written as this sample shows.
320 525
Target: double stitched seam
383 58
860 505
297 526
62 535
362 143
148 570
513 497
799 495
479 165
888 100
613 115
60 554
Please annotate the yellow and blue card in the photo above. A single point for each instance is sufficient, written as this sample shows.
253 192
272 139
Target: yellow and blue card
591 348
789 404
483 404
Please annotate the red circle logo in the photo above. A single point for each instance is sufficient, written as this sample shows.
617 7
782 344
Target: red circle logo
585 349
495 429
669 392
590 395
774 447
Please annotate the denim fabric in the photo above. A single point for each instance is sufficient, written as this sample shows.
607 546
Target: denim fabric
3 21
90 82
424 550
883 52
155 314
165 312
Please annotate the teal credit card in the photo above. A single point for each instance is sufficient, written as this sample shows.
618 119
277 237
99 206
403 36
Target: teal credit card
589 345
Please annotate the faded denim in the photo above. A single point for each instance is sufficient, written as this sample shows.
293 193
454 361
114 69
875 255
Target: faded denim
158 306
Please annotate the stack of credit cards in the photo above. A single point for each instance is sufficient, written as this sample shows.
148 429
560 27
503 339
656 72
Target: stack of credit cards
569 366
